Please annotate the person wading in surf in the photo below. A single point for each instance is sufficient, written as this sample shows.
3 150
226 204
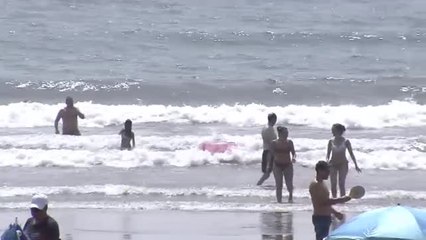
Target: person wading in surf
284 157
127 136
268 135
69 116
338 161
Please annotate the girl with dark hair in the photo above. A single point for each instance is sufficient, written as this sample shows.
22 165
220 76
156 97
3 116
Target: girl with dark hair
127 136
336 157
284 157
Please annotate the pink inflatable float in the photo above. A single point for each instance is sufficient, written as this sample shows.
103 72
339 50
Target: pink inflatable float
217 147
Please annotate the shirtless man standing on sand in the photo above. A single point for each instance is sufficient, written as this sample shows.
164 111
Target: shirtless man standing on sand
69 116
322 203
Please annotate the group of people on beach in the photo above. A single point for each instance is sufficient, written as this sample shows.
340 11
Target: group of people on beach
70 114
41 225
278 157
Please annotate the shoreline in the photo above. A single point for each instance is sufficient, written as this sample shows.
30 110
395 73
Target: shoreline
82 224
97 224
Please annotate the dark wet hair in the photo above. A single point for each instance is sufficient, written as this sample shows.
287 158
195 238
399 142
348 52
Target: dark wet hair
272 117
321 165
69 100
281 129
128 127
339 127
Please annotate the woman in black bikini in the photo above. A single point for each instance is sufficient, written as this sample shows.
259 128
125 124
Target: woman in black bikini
284 157
336 157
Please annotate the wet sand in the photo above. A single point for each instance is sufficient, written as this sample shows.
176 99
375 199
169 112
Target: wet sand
100 224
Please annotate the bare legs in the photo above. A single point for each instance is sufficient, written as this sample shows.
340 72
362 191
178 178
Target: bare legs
288 176
333 181
342 179
264 177
267 164
287 173
338 172
278 175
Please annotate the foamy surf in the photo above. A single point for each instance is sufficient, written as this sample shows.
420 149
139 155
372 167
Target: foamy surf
208 192
393 114
45 150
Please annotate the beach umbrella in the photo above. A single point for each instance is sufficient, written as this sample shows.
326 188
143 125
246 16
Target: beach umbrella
397 223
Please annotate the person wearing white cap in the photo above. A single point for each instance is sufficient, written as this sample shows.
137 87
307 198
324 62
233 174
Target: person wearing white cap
41 226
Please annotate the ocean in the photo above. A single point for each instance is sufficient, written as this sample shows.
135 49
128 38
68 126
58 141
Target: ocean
190 71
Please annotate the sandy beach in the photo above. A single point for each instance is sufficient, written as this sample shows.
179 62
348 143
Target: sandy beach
97 224
187 73
153 203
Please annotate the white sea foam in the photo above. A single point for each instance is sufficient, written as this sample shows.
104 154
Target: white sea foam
183 151
64 86
186 206
394 114
209 192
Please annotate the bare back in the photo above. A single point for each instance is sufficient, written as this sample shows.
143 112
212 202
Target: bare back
268 135
282 149
319 197
126 140
69 120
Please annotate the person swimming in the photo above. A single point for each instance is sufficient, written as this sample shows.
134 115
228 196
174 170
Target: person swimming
336 157
127 136
284 157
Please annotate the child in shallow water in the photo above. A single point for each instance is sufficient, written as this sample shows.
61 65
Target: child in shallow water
127 136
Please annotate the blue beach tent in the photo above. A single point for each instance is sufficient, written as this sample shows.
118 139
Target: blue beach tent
396 223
